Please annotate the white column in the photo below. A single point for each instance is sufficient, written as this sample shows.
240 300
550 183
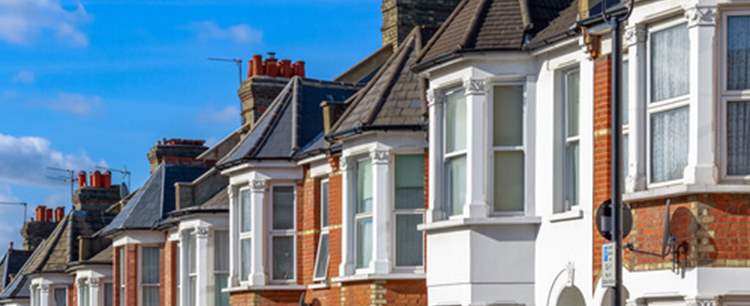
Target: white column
202 254
44 297
94 295
436 210
381 211
347 221
635 40
701 168
234 238
476 149
183 290
257 197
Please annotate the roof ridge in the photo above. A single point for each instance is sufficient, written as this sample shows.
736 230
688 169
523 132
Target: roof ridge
441 30
479 14
401 58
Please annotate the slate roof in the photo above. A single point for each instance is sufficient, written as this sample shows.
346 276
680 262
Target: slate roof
154 200
11 262
490 25
394 98
292 121
561 27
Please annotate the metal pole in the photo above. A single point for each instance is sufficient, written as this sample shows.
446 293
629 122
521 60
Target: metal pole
616 164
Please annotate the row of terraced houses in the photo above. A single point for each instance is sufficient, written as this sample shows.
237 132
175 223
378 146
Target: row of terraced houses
460 164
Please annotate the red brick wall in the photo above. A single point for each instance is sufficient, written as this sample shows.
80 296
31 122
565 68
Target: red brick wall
131 275
265 298
602 156
73 294
169 274
115 277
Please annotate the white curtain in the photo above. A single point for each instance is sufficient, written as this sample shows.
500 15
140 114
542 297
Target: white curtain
738 52
669 144
670 63
150 276
61 297
364 186
572 176
509 181
83 296
456 182
246 256
507 117
455 122
246 211
738 138
283 258
408 240
364 242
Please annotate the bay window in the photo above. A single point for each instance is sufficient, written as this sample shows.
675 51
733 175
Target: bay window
321 257
150 276
736 95
571 150
108 295
192 269
508 149
454 150
221 267
83 293
668 110
363 214
409 209
246 235
282 233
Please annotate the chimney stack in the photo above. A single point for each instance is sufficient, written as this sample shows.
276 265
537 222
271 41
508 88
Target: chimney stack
265 80
35 230
176 151
401 16
99 194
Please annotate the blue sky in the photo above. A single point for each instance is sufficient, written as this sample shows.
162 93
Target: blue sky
99 82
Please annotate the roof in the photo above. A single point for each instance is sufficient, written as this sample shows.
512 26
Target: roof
490 25
394 98
364 70
292 121
11 262
561 27
154 200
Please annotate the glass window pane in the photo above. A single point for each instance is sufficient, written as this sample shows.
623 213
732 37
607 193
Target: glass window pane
321 263
409 182
456 182
150 296
509 182
670 60
246 257
83 294
246 211
408 240
324 204
572 177
121 260
364 186
221 251
364 242
283 207
61 297
455 122
738 52
572 102
669 144
625 157
190 250
108 294
738 138
625 93
122 296
283 258
508 115
191 290
150 268
221 298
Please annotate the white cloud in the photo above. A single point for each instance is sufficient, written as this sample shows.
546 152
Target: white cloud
6 194
24 77
25 161
76 104
239 33
23 22
229 114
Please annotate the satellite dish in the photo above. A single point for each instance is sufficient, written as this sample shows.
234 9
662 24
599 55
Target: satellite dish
604 219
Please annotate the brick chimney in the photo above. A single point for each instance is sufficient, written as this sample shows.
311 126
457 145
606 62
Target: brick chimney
96 194
35 230
176 151
265 80
401 16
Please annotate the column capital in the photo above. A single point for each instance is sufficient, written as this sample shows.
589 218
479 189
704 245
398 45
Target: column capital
343 164
93 282
635 34
44 288
703 301
474 87
257 185
700 16
201 232
380 156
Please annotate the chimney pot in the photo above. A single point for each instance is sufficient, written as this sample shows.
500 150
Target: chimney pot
39 213
271 55
81 179
272 67
48 215
299 69
59 214
107 179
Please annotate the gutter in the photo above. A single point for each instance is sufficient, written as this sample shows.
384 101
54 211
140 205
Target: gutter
385 128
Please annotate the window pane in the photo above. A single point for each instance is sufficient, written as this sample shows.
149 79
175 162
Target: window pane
508 115
408 240
509 182
246 257
122 296
108 294
283 258
150 268
191 290
738 52
409 181
456 184
572 177
246 211
321 263
364 242
83 294
283 207
625 157
190 250
738 138
572 102
625 93
221 251
669 144
151 296
364 186
455 121
178 274
121 260
324 204
221 298
670 62
61 297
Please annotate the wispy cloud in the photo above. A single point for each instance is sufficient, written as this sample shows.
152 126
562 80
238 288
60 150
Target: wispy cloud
229 114
239 33
24 22
6 194
24 161
76 104
24 77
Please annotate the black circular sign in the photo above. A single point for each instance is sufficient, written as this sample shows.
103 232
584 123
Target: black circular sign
604 220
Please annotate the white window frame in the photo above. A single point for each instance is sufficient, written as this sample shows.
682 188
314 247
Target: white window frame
358 216
727 96
36 295
493 149
448 156
324 231
661 106
274 233
625 126
244 279
141 285
79 282
396 212
67 294
188 234
220 273
568 140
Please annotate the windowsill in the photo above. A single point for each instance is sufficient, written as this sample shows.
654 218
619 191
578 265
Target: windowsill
242 288
369 276
319 285
573 214
681 190
470 222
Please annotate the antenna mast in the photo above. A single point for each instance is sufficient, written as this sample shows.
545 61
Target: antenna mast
65 175
237 61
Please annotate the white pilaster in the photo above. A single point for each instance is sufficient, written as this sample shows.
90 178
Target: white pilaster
94 295
202 254
257 197
44 298
234 237
635 40
436 210
476 205
347 222
701 168
382 208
